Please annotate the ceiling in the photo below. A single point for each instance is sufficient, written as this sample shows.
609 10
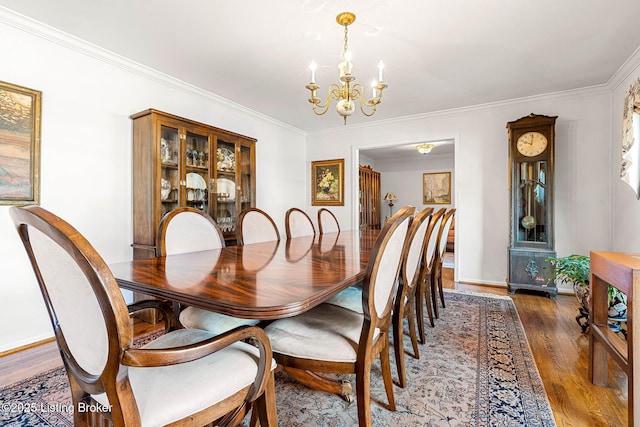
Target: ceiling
439 55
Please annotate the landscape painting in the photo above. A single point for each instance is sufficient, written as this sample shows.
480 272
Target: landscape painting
20 110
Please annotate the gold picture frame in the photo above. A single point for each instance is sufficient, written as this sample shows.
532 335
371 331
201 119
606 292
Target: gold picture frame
327 183
436 188
20 111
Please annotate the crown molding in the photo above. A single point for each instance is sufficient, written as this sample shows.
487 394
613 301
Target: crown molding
53 35
629 67
602 89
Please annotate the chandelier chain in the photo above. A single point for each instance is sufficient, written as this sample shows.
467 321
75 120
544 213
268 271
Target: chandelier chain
344 49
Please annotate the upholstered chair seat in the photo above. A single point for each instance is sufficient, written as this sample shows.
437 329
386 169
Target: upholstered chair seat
326 332
193 317
194 384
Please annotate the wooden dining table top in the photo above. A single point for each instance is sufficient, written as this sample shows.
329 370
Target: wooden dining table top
267 280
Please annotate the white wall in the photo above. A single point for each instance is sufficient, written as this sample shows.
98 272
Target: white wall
404 177
625 208
481 195
88 95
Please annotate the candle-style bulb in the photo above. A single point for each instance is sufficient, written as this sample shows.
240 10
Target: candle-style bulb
380 68
313 67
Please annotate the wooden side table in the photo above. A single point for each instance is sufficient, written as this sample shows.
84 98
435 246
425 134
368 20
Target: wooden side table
622 271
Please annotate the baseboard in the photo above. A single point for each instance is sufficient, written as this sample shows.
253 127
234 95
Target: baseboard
19 348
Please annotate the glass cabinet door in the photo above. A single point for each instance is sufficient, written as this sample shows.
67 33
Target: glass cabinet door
170 172
246 189
225 211
196 157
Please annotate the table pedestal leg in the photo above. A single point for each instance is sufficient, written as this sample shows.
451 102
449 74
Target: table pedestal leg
322 383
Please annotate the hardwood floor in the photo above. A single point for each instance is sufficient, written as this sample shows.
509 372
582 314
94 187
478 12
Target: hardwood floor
559 348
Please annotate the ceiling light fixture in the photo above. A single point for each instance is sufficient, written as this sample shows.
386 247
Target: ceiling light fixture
347 91
425 148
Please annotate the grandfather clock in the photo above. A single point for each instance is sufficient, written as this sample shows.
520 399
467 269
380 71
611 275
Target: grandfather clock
531 151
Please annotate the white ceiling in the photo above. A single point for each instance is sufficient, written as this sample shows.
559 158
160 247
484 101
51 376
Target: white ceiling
438 54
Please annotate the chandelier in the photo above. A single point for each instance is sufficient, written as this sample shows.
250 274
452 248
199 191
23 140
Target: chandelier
347 91
425 148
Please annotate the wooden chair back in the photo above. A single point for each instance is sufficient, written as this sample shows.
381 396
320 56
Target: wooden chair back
93 331
327 222
185 230
297 223
256 226
432 245
447 220
383 268
409 281
88 313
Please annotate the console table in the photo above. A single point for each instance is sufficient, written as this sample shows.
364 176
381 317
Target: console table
622 271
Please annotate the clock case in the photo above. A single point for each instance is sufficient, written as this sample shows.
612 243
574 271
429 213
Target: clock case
531 188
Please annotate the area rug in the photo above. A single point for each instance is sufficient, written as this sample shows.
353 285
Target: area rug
476 369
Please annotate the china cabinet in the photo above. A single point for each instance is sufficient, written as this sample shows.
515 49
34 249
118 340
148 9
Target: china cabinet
179 162
369 198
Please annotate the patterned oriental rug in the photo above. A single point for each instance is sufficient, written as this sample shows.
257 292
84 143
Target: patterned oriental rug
476 369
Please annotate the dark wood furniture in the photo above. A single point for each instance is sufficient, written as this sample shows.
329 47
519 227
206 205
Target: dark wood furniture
257 281
425 295
369 198
531 185
327 222
436 271
180 162
256 226
93 330
404 305
297 223
622 271
335 340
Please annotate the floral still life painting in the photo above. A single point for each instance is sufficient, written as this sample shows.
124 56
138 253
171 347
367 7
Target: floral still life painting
327 178
19 145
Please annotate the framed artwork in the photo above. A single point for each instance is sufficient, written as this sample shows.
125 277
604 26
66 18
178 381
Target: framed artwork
20 110
327 180
436 188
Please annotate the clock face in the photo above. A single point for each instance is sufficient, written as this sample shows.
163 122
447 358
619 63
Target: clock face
531 144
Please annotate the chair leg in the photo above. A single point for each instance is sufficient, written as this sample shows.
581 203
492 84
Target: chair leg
411 317
398 345
423 290
385 364
265 405
363 393
440 284
432 288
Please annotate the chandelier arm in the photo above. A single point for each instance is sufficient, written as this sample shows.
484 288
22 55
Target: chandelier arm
358 93
320 109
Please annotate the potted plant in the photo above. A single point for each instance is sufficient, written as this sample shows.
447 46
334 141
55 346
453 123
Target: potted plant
575 269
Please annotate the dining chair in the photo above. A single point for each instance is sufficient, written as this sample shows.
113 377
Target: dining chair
327 222
185 230
297 223
409 281
256 226
329 339
424 292
186 376
404 302
436 273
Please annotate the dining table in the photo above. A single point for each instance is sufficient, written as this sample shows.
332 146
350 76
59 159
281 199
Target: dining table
265 281
268 280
